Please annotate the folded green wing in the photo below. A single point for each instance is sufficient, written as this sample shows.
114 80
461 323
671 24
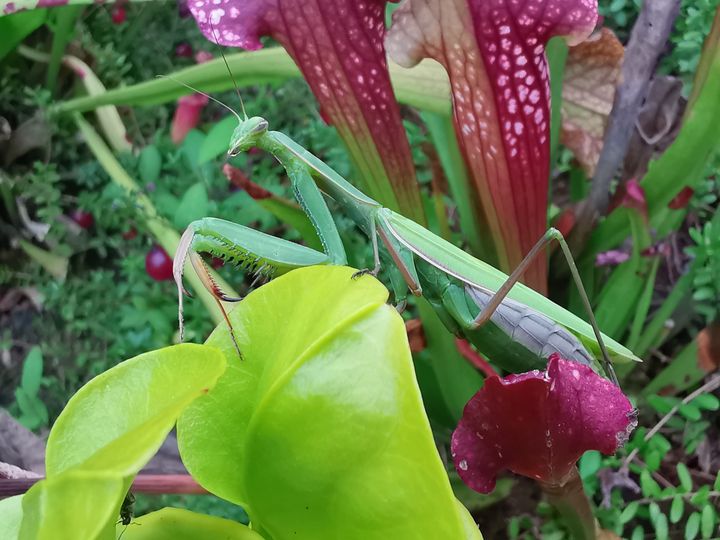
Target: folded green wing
468 269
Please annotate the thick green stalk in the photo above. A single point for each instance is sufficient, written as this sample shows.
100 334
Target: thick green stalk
557 53
457 379
62 33
573 505
474 231
643 306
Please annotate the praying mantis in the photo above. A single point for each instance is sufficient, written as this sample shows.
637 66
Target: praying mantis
515 326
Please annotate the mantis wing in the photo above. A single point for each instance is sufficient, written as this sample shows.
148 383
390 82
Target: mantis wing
468 269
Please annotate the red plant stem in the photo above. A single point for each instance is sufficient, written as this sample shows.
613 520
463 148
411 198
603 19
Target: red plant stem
154 484
570 500
472 356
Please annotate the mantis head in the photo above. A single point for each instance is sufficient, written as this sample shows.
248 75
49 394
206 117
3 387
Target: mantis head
247 134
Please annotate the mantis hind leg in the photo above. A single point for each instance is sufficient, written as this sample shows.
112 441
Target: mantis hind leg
502 292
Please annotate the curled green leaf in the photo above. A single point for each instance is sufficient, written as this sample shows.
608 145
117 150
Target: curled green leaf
319 431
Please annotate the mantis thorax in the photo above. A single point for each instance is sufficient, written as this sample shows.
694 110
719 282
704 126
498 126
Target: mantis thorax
247 134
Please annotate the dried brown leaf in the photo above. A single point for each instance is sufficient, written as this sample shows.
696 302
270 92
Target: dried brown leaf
709 348
592 74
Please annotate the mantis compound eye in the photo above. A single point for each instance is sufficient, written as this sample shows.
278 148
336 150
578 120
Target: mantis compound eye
260 127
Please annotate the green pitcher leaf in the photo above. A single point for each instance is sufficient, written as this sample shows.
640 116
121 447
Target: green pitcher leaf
11 514
319 430
77 504
117 421
180 524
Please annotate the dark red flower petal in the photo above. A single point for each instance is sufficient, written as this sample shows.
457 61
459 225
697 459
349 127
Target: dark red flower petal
682 199
494 53
187 116
538 424
565 221
240 180
339 47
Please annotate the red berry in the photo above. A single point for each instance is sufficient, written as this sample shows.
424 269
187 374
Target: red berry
84 219
158 264
130 234
184 50
118 15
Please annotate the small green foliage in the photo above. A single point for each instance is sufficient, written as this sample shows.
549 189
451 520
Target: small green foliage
706 282
33 412
692 527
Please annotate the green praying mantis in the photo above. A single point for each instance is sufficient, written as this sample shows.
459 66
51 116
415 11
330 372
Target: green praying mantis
515 326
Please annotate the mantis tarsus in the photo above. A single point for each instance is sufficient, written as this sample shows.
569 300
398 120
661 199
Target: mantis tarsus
509 322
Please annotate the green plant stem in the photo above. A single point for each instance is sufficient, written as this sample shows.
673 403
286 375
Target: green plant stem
652 336
557 53
643 306
8 200
165 235
64 24
442 134
685 496
573 505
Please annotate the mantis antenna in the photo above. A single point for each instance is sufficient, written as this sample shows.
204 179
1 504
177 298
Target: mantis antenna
232 77
204 94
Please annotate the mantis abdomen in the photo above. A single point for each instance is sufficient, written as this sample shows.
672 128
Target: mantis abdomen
530 328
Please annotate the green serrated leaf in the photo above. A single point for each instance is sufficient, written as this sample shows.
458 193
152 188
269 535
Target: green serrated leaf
661 527
149 164
590 464
690 411
638 533
661 404
32 371
706 401
692 527
217 140
684 476
701 496
676 509
628 512
193 205
708 519
514 528
649 487
652 459
655 512
191 146
34 411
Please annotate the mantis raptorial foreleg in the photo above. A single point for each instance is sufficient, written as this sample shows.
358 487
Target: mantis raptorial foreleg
259 253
